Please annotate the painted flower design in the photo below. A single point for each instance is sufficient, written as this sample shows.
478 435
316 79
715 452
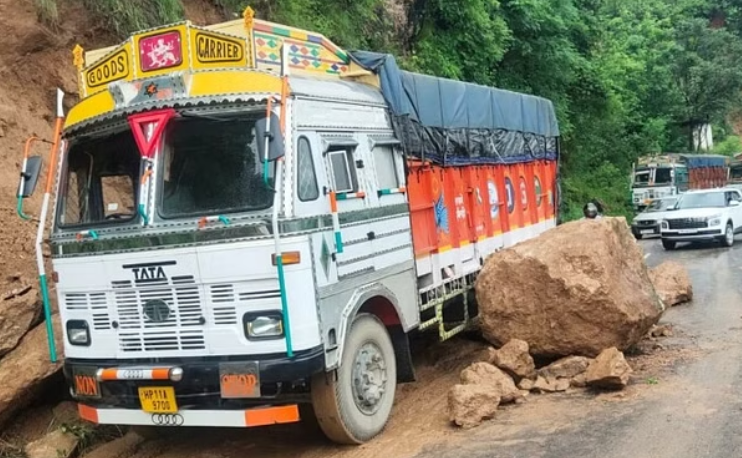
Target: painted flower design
441 214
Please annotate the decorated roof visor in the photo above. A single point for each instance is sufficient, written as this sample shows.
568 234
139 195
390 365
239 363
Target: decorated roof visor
162 67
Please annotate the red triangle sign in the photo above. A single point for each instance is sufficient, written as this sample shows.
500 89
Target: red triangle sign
139 122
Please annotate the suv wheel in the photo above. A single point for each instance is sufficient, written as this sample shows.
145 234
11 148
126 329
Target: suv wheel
668 244
728 239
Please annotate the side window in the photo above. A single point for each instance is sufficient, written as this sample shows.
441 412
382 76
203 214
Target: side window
736 196
386 172
343 170
307 188
118 195
75 197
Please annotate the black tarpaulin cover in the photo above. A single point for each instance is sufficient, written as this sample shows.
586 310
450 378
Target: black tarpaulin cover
458 123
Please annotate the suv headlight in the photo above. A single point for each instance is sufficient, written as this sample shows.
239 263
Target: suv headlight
78 332
714 220
263 325
665 224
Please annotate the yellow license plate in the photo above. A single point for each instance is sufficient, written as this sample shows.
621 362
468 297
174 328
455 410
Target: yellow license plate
158 399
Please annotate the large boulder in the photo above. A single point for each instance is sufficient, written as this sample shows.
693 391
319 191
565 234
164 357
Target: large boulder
23 371
574 290
469 405
672 283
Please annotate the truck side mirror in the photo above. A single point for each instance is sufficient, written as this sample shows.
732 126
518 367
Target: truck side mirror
29 176
274 136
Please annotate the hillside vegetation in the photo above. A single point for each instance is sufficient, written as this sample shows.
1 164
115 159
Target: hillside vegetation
628 77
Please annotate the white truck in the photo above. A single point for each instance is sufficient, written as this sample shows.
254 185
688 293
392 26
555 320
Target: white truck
668 175
248 220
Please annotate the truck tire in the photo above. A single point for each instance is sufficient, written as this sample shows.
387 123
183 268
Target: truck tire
728 239
352 404
668 244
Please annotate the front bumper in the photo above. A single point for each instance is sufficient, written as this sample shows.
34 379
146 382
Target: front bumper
649 229
280 380
698 235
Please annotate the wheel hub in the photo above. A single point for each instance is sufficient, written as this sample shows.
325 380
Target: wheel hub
369 378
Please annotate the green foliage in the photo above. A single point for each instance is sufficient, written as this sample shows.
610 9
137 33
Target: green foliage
127 16
47 10
730 146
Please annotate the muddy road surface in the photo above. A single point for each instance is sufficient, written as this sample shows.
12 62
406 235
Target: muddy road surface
685 398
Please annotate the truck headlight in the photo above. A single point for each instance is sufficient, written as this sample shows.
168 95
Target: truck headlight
714 220
263 325
78 333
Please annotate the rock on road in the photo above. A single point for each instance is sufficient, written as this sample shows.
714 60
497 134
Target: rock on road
690 408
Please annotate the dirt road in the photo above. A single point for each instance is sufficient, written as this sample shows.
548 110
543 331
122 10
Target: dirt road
684 400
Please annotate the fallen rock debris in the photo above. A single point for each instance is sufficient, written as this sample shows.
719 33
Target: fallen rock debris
56 444
672 283
515 359
497 381
609 370
484 387
469 405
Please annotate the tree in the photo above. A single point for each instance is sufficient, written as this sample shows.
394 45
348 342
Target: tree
706 66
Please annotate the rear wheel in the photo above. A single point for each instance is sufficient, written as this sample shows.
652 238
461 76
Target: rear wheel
353 404
668 244
728 239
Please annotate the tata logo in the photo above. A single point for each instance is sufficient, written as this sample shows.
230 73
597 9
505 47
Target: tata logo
149 272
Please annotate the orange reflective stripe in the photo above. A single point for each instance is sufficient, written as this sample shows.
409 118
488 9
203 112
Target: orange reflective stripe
160 374
109 374
333 202
53 156
87 413
272 415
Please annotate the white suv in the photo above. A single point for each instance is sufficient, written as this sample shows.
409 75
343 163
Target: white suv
703 215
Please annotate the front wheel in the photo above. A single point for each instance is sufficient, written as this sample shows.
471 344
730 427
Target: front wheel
668 244
353 404
638 236
728 239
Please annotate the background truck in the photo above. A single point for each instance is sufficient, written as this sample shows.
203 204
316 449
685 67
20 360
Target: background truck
671 174
249 220
735 172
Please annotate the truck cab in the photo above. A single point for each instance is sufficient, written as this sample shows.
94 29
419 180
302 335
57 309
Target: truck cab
657 179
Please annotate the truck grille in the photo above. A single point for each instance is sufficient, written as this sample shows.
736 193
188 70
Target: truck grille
160 316
646 222
93 303
687 223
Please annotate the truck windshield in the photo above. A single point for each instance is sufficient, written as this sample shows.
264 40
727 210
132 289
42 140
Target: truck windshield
99 181
663 175
641 177
211 166
659 205
735 172
702 200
